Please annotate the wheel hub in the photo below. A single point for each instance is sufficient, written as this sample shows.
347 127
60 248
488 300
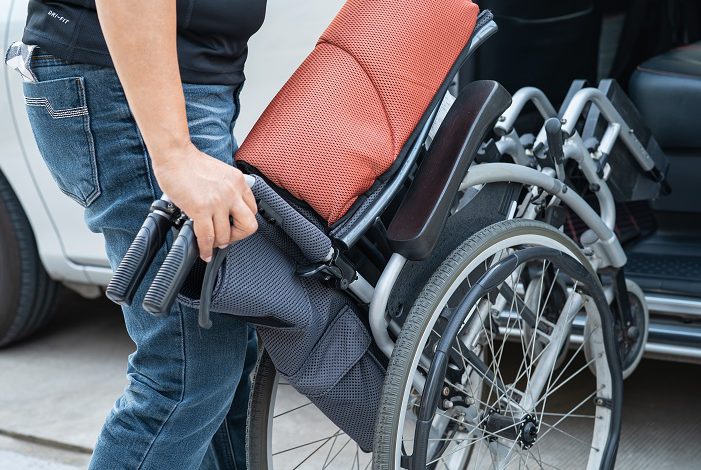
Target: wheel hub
529 432
523 430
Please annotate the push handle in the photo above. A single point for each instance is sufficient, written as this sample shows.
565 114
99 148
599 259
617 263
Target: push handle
553 131
143 249
171 276
175 269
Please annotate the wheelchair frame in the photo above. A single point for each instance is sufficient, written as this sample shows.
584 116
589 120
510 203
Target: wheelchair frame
558 138
601 245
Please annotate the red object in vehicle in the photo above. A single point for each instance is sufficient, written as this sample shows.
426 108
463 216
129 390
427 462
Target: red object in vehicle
344 116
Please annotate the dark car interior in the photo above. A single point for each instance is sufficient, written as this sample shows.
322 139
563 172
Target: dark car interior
652 48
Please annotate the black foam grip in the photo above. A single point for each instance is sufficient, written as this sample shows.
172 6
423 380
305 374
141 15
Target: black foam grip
136 261
170 277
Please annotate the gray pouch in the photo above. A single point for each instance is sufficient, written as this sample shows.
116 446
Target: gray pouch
313 333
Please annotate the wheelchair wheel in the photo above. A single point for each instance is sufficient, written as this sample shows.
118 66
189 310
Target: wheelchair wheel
502 404
286 431
630 349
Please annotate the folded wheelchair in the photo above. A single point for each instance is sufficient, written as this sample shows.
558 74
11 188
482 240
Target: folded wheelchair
415 293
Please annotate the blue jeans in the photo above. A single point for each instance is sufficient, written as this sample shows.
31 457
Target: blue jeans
186 402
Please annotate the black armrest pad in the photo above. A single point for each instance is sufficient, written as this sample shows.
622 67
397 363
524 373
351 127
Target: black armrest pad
416 226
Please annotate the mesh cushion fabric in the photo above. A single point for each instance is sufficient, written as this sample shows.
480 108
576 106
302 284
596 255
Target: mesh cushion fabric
312 332
343 118
315 245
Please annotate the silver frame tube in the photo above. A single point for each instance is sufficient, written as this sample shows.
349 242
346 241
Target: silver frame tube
518 102
574 148
510 145
599 99
380 298
362 289
500 172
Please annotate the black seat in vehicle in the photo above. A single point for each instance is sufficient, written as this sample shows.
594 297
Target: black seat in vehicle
666 89
667 92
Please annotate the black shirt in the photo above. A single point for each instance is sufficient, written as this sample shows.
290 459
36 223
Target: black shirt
212 35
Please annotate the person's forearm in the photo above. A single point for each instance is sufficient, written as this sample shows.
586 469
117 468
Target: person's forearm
141 38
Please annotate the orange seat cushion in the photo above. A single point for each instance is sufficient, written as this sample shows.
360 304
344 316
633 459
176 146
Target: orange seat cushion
344 116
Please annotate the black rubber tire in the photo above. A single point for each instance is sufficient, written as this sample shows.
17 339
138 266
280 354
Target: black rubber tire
421 313
259 411
27 293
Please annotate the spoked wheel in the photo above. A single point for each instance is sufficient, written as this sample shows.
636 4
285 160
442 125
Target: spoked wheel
502 399
286 431
550 302
631 340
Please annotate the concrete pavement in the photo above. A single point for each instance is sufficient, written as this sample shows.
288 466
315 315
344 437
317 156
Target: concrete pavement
56 388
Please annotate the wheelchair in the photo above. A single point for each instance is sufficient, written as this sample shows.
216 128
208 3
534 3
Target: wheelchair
425 309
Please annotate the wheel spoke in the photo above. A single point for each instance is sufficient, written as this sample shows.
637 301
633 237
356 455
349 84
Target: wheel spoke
574 355
496 361
348 441
325 439
508 454
545 396
333 443
589 446
486 435
550 375
578 406
539 460
293 409
310 455
570 415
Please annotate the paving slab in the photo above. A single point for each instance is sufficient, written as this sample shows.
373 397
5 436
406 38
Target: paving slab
18 454
60 384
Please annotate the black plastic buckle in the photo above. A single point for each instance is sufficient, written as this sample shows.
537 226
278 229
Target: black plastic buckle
338 271
166 207
170 210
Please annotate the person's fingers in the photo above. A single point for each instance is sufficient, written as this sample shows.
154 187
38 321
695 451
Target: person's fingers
250 200
204 231
245 223
222 228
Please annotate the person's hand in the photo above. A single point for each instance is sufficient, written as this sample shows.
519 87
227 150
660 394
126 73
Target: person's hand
209 192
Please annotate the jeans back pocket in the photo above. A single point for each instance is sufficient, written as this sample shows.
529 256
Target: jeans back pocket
60 120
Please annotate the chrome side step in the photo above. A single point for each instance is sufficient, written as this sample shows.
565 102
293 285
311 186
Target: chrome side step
672 336
662 350
675 328
687 307
672 352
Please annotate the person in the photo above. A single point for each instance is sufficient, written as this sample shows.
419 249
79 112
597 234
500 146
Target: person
128 100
